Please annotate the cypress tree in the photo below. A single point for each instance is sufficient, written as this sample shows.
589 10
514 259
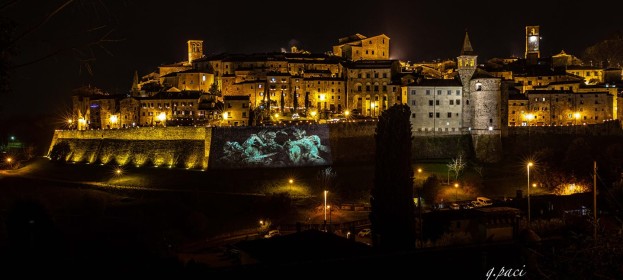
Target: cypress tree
392 216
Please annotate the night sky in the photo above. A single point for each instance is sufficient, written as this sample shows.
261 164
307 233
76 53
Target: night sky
154 33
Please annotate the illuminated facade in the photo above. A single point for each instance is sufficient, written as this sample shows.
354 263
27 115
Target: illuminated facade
591 75
436 106
370 88
561 107
360 47
236 110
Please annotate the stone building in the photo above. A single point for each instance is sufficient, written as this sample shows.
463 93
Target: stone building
236 110
591 75
369 86
360 47
436 106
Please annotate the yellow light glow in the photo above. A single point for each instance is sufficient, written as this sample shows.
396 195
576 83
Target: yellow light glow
162 117
419 170
290 181
534 185
82 120
118 171
576 115
322 97
276 115
113 119
225 115
529 116
456 185
70 121
530 164
9 160
346 113
313 113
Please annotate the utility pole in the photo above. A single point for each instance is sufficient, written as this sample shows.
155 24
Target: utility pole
595 199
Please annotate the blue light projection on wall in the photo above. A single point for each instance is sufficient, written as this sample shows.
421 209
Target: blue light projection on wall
244 147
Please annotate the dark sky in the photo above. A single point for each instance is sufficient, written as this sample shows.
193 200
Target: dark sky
155 32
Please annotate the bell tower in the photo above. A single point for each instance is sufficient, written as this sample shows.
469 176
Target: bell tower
195 50
466 62
533 42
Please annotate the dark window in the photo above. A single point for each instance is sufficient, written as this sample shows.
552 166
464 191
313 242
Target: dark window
449 115
430 115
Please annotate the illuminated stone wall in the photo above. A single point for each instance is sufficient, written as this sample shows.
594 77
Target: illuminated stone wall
187 147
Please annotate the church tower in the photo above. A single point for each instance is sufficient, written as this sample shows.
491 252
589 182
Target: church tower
135 88
533 41
195 50
466 63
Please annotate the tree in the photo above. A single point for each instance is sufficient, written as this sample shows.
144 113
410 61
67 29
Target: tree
282 102
295 101
326 178
430 188
456 166
607 53
392 217
306 101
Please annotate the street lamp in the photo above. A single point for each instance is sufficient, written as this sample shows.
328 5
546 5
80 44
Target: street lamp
162 117
9 160
325 207
225 115
113 120
330 220
372 105
456 191
528 168
577 117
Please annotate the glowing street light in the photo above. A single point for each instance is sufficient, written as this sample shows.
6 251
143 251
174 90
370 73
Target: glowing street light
291 181
346 113
456 191
528 168
113 120
325 206
9 160
529 117
118 171
162 117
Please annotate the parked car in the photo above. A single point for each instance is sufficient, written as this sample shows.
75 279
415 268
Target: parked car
484 201
476 203
365 232
467 206
272 233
